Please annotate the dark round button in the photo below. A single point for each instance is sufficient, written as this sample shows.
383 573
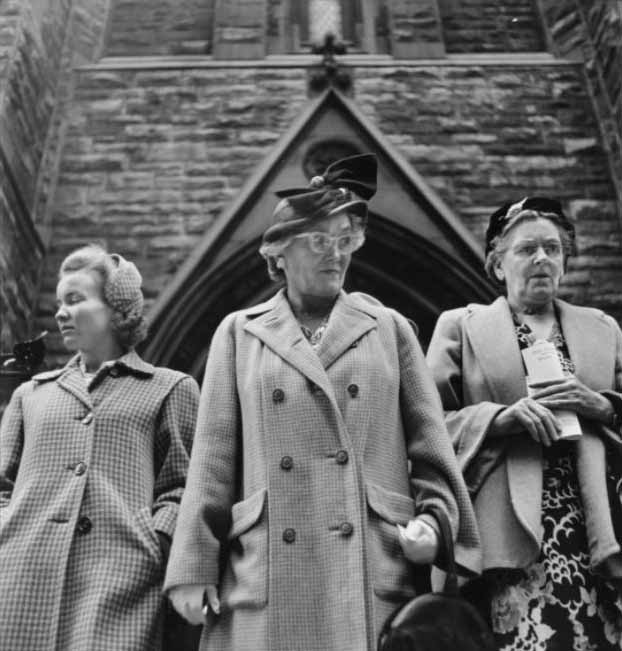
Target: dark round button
314 388
80 468
341 457
114 371
287 462
353 390
346 529
289 535
84 525
278 395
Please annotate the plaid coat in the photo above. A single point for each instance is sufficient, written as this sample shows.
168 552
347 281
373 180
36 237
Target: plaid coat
300 472
86 480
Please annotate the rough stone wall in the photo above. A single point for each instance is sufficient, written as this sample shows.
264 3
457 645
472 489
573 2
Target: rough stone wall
31 37
157 27
481 135
152 157
83 44
591 32
491 26
152 27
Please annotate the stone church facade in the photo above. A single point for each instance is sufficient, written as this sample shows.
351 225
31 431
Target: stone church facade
162 127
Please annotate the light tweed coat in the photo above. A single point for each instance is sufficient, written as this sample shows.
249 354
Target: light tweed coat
476 362
299 474
86 479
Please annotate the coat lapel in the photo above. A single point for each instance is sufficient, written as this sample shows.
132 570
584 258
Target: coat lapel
491 333
278 328
73 382
590 341
348 322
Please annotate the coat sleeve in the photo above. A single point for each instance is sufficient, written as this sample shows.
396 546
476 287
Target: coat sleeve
615 393
468 424
436 479
11 445
174 434
205 513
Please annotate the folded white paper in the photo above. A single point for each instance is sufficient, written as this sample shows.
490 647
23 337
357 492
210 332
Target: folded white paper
543 367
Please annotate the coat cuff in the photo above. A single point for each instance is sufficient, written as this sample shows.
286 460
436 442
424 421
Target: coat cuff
165 518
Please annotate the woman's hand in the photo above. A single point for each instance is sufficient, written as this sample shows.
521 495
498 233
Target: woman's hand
419 541
188 601
570 393
531 415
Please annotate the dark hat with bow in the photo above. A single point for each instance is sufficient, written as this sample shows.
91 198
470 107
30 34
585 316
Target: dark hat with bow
345 186
503 216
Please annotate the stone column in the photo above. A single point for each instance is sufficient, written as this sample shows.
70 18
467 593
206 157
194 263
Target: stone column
240 29
416 29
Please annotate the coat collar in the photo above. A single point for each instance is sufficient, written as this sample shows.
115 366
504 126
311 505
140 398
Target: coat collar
590 340
70 377
490 330
588 336
275 324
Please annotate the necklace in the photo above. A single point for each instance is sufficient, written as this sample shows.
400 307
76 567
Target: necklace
314 337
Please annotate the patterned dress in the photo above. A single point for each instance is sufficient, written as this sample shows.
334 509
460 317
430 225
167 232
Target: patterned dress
557 603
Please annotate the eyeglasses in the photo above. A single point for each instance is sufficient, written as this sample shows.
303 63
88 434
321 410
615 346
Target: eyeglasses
320 242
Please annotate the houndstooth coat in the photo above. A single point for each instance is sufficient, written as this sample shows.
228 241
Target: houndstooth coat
86 480
299 475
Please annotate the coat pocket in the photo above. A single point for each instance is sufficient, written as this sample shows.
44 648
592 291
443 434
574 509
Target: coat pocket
147 533
392 573
245 582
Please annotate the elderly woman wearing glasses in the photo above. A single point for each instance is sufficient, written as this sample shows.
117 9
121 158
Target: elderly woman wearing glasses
319 432
534 456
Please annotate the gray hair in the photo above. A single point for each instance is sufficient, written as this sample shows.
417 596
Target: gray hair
499 243
121 291
270 251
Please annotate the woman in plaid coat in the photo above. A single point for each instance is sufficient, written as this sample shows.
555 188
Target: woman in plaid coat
314 406
93 461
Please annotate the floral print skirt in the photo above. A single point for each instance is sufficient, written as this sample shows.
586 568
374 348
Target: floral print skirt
556 604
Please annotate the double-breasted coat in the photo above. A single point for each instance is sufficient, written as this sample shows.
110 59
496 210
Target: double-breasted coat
300 472
477 365
87 478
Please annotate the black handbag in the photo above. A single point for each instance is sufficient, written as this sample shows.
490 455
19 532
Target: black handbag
438 621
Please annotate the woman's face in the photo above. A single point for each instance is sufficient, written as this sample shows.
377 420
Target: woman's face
84 319
317 274
532 263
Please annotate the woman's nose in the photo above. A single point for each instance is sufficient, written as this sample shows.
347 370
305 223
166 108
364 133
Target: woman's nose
61 313
541 255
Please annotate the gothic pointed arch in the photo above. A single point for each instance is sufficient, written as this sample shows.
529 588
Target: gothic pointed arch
418 257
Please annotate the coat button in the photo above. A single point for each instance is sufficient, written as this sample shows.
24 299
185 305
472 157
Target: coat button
314 388
88 419
289 535
80 468
278 395
114 372
341 457
353 390
346 529
287 463
84 525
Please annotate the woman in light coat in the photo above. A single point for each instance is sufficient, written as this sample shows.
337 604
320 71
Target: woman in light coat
541 501
93 460
319 431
